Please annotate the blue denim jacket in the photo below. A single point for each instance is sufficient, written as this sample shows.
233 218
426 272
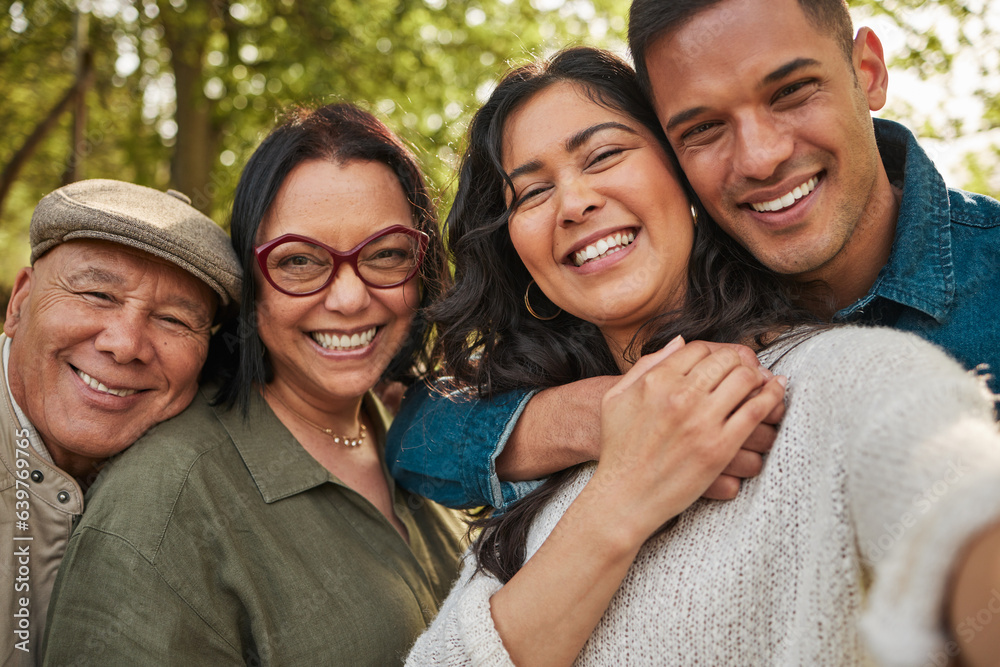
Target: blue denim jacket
942 281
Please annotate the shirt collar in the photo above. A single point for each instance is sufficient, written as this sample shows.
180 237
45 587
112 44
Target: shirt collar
278 464
919 273
33 436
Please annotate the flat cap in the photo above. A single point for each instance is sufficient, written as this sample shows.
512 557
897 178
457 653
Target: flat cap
160 223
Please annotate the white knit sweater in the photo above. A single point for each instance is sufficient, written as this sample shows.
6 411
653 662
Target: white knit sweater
888 459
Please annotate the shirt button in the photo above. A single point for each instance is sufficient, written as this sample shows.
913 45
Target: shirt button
37 476
63 497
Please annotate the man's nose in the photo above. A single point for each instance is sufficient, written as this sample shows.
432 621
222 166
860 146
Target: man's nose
126 337
761 146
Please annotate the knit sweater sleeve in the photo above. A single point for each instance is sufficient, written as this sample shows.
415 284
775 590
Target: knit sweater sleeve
463 634
922 459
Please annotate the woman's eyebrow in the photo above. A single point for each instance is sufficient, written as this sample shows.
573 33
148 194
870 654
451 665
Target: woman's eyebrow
581 137
572 144
526 168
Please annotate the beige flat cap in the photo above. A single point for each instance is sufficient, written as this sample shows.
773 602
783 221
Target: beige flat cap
160 223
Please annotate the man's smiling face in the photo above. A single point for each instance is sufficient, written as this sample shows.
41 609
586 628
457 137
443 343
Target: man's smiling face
771 124
106 342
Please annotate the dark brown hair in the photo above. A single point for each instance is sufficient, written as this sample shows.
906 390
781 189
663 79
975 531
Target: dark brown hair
340 133
651 19
489 340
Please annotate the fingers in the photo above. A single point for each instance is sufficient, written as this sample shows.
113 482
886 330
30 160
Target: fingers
745 464
644 364
777 414
725 487
750 414
761 439
747 356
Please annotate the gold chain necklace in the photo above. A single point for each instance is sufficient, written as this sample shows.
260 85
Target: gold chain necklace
337 439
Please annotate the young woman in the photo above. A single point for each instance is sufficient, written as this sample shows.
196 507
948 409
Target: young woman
850 544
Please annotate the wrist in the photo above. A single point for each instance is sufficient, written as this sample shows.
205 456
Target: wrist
617 516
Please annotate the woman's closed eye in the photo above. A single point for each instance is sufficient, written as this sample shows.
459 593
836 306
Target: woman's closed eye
530 195
604 157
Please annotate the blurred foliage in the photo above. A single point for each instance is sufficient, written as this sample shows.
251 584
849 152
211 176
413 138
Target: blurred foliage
182 91
185 89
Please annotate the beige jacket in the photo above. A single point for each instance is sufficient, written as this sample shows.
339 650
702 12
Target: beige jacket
34 529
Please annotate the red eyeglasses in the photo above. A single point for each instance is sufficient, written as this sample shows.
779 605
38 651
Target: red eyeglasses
298 265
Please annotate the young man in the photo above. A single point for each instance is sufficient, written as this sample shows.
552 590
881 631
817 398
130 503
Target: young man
105 336
767 106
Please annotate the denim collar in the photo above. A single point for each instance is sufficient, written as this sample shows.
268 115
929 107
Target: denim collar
919 273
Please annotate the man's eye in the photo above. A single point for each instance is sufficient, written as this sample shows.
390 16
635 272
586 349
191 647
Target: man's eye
102 296
698 129
175 322
792 89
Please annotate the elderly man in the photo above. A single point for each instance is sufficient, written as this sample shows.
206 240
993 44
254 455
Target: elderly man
105 336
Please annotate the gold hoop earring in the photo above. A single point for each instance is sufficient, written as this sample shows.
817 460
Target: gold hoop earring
527 304
694 214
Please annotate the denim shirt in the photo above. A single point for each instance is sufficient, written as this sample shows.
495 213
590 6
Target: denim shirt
942 282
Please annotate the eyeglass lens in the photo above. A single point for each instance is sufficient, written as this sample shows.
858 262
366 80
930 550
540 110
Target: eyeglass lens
300 267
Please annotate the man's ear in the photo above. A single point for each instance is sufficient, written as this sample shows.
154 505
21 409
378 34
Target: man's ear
870 69
18 300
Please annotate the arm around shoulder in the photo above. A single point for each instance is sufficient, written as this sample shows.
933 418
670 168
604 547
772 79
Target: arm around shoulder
443 445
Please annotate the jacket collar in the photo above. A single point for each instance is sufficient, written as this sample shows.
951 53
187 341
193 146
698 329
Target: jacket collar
919 273
56 480
278 464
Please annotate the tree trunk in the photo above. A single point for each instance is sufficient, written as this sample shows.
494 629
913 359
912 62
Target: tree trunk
197 139
83 58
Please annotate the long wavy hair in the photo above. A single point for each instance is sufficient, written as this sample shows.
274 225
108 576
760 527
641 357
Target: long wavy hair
490 342
339 133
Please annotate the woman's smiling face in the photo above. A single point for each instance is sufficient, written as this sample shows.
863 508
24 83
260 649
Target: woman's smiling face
599 218
336 343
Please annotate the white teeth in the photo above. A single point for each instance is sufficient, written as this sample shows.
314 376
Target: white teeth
344 342
787 200
101 387
603 247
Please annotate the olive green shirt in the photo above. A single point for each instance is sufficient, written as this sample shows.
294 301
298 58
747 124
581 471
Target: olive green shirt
215 540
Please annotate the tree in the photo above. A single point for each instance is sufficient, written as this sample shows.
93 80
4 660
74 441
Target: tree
181 91
185 89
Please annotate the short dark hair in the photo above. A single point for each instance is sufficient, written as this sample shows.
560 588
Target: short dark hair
339 133
650 19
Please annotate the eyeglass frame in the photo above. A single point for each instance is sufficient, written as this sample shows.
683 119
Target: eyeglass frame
351 256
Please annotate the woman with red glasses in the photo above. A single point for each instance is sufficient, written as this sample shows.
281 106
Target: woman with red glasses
277 537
